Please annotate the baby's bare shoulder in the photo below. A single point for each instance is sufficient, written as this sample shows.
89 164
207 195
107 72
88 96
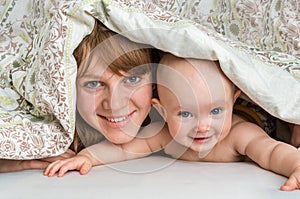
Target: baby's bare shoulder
240 126
243 132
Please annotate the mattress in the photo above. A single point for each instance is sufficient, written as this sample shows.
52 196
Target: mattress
150 177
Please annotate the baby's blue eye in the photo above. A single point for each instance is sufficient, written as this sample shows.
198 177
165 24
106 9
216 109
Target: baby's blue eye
185 114
216 111
132 79
93 84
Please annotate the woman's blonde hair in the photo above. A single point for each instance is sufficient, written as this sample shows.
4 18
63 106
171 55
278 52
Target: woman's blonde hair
120 55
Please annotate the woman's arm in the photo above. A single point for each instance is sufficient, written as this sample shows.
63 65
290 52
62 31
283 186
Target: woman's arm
19 165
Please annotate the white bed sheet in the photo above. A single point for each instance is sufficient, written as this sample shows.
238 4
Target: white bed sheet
151 177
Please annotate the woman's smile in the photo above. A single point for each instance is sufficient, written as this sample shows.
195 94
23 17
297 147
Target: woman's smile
117 121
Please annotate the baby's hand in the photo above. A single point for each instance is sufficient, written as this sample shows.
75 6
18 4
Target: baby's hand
293 182
80 162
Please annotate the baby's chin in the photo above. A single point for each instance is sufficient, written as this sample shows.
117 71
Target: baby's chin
202 151
203 154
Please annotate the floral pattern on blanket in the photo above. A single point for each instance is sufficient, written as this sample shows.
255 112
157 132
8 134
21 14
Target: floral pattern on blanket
254 40
35 107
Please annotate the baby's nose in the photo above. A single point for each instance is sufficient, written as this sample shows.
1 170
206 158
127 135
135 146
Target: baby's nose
203 125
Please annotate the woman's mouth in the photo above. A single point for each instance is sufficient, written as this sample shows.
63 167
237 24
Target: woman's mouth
117 122
117 119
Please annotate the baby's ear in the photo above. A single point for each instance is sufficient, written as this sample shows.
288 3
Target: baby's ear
236 94
158 106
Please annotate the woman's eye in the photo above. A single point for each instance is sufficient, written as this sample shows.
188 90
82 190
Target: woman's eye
132 79
185 114
93 84
216 111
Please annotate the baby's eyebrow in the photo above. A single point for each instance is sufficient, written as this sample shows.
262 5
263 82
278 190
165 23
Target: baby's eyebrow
218 101
180 108
173 108
218 104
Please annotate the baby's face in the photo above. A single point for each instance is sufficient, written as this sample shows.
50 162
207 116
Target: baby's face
198 103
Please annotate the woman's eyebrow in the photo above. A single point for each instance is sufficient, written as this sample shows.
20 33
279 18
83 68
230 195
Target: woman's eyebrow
138 71
90 76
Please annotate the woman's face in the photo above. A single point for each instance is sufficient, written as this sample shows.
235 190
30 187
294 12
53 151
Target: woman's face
114 105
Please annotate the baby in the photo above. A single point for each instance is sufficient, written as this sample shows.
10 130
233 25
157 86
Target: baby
196 100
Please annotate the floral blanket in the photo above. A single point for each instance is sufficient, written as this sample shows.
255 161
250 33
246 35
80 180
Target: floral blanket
256 42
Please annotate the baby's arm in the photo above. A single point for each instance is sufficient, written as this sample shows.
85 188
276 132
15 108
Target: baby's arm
106 152
281 158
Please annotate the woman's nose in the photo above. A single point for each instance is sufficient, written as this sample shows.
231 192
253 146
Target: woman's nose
115 98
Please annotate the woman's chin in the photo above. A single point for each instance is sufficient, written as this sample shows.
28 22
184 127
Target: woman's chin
120 139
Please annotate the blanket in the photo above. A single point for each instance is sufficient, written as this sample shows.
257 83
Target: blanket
256 42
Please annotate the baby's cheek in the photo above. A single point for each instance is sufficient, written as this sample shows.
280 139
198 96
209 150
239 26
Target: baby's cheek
180 134
225 129
174 129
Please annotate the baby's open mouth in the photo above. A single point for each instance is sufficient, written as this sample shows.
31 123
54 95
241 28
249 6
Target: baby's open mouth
202 139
